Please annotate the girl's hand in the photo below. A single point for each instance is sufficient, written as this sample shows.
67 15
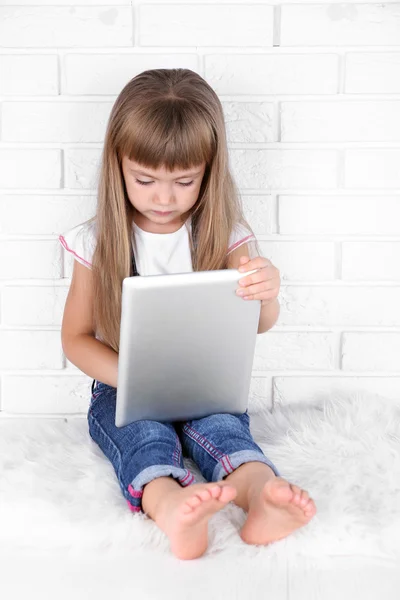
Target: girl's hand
263 285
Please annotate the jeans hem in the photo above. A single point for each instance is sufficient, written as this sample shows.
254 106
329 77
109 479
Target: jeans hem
230 462
135 488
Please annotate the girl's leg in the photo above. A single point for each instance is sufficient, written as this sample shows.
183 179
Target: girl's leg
147 459
139 452
220 443
223 448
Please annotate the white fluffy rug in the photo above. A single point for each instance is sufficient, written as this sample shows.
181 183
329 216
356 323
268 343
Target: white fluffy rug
59 493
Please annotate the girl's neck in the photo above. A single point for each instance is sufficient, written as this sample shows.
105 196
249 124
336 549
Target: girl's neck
150 227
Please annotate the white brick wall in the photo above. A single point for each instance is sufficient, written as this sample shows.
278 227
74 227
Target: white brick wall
311 96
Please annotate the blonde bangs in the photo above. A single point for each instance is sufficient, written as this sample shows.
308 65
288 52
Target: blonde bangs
168 134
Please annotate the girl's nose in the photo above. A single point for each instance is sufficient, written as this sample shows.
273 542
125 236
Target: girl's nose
164 199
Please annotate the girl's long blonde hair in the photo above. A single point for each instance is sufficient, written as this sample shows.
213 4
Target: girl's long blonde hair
170 118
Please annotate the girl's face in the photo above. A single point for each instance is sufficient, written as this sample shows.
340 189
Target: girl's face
161 199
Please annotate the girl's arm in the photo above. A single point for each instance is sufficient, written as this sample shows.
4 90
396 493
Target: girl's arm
269 315
269 310
92 357
78 339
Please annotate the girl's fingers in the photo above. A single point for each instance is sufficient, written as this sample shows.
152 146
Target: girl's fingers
255 291
256 263
252 279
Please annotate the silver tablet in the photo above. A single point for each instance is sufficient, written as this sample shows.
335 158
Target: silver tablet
187 345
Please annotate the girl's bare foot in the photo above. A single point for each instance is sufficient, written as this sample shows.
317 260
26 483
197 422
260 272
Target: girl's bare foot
185 514
275 511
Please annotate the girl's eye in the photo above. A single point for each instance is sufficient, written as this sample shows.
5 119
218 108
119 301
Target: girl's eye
148 182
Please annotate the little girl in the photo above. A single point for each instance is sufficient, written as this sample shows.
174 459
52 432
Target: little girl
167 203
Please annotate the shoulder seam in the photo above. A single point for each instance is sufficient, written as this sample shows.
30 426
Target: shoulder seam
240 242
64 243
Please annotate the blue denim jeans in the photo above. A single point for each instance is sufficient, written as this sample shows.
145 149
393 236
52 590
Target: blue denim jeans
145 450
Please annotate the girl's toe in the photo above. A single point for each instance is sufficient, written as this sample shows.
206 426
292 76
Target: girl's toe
228 494
296 493
295 488
194 501
215 491
310 508
204 494
304 498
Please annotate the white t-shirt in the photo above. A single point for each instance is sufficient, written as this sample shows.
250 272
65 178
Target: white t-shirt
156 254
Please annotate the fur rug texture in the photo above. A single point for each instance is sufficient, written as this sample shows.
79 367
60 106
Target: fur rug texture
59 493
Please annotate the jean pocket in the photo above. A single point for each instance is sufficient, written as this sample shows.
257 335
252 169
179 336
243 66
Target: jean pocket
98 388
101 391
94 398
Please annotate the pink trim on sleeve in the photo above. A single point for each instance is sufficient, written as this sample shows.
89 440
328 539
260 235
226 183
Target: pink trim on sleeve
240 242
64 243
